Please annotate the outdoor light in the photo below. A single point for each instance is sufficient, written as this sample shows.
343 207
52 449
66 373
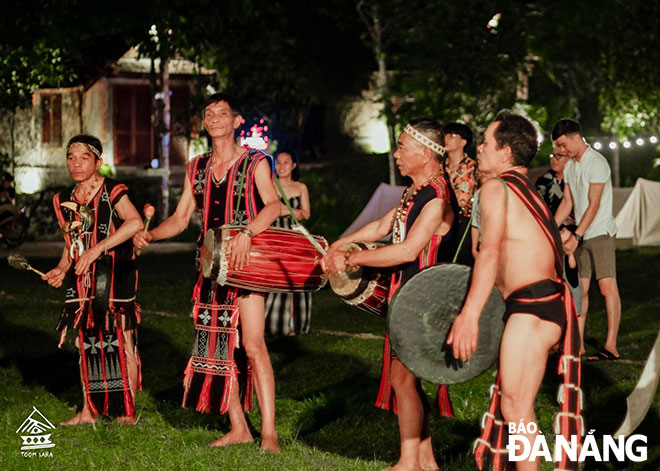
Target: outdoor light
639 141
612 145
626 144
653 139
29 180
154 163
597 145
255 137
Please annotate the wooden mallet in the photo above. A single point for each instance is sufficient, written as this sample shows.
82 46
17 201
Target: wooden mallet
148 212
20 263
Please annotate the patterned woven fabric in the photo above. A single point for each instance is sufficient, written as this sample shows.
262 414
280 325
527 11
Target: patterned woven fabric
439 249
100 337
218 363
288 313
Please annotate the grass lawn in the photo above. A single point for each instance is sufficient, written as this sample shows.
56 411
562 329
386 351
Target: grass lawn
326 383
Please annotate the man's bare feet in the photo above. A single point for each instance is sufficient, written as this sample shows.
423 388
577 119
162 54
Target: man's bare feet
83 417
428 462
270 444
126 420
233 438
403 467
430 466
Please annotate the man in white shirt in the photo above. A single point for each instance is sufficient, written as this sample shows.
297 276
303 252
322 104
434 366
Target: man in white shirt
588 191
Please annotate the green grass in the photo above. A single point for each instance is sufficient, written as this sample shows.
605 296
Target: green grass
326 383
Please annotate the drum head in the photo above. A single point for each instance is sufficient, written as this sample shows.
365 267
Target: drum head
352 283
345 283
421 315
103 275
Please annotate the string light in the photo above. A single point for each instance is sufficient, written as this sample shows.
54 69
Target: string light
640 141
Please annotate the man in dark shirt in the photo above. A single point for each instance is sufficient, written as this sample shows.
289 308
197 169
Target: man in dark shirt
551 184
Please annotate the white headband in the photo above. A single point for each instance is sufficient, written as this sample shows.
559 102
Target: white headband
423 140
88 147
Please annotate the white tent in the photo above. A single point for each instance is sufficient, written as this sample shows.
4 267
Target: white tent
639 219
384 198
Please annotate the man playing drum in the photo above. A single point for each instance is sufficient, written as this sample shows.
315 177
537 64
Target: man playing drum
219 373
423 233
521 254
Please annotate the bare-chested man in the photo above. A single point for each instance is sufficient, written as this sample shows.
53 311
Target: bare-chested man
521 255
216 372
422 228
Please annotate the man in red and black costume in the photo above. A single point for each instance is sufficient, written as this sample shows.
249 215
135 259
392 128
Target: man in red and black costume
220 372
98 269
423 228
521 253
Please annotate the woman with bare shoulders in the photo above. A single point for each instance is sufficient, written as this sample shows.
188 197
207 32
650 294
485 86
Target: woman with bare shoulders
289 313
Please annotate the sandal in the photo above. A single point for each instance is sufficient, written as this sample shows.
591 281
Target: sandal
603 355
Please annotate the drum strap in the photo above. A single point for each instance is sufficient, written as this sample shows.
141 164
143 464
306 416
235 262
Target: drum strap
296 223
460 244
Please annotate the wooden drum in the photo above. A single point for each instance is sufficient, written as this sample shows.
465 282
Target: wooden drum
281 260
367 287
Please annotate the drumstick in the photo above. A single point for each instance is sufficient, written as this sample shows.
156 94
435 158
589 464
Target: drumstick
20 263
148 211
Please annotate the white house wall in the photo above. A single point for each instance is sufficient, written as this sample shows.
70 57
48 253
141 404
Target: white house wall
97 117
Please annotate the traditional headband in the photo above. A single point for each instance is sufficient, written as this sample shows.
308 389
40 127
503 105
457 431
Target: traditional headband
90 148
423 140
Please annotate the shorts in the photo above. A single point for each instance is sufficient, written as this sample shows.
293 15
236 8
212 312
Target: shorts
597 255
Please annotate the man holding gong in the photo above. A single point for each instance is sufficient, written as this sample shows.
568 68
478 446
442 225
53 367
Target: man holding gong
521 254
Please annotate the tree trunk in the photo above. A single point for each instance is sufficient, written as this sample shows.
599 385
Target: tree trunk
12 142
375 29
165 136
616 159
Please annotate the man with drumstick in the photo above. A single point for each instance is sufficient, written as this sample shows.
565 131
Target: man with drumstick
520 253
97 219
423 233
219 374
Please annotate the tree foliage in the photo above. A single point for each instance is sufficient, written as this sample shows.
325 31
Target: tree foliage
595 59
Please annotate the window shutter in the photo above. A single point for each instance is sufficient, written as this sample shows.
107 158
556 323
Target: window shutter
51 113
45 113
56 120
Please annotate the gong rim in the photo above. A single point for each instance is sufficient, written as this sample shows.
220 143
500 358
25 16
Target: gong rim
421 315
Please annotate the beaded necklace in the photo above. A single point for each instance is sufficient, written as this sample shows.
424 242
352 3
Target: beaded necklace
398 231
90 192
